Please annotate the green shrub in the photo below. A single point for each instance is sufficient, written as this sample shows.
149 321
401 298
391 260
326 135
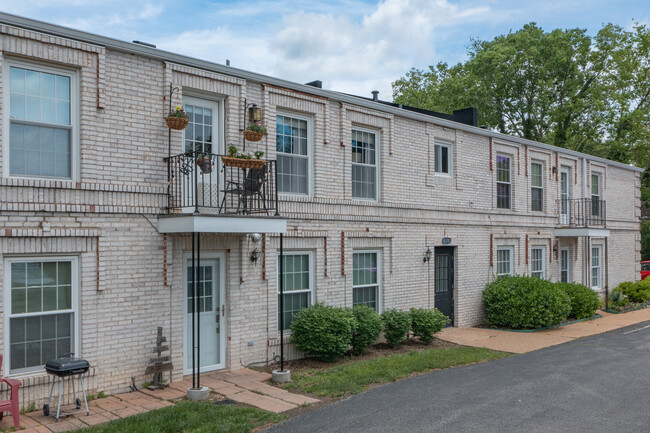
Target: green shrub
636 292
525 302
396 324
323 331
617 299
368 328
425 323
584 301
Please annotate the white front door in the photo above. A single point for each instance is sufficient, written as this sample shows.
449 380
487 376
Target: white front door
202 137
210 312
565 263
565 185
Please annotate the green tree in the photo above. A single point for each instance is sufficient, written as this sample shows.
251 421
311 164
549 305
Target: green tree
564 87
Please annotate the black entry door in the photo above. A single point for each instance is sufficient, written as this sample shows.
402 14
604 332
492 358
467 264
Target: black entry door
444 285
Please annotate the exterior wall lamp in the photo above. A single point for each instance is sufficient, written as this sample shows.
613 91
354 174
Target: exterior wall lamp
255 254
254 113
427 255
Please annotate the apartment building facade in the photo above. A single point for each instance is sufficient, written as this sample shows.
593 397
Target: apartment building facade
101 204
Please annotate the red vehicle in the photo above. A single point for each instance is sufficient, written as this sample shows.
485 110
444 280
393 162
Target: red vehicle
645 269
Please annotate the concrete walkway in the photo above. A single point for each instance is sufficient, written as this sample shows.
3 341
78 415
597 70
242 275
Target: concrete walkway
243 386
522 342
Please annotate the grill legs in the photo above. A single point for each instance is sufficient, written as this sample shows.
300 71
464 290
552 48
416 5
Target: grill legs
77 402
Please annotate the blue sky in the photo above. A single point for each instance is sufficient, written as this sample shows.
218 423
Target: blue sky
353 46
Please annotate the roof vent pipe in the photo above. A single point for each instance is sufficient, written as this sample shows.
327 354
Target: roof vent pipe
227 62
375 95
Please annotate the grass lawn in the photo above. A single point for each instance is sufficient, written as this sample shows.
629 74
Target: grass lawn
191 417
356 377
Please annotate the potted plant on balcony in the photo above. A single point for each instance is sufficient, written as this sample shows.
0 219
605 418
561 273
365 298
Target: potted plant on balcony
177 119
243 160
255 132
204 163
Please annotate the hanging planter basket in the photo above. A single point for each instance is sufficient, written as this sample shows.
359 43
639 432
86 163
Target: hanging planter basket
178 123
252 135
205 164
243 163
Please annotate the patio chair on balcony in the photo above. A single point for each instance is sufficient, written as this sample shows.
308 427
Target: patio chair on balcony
11 405
249 191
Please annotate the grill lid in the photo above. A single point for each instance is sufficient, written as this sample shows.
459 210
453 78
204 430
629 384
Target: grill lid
67 365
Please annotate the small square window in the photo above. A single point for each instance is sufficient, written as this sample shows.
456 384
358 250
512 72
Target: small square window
443 159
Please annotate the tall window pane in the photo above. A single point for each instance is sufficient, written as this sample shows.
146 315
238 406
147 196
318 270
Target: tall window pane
504 261
537 262
537 186
364 165
292 155
503 182
297 286
365 279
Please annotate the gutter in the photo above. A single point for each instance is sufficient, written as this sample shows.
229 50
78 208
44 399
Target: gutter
166 56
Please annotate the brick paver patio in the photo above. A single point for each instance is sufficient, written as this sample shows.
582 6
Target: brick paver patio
243 386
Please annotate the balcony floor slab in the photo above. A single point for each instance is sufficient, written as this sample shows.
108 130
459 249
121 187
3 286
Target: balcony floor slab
199 223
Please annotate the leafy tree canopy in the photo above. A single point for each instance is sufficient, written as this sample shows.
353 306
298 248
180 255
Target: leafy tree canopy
564 87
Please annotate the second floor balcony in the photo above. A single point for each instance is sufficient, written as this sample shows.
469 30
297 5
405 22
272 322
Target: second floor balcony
582 212
218 185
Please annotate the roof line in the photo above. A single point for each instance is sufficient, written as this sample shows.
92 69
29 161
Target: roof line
154 53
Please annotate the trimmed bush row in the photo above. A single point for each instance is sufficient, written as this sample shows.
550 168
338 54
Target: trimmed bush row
522 302
328 332
628 291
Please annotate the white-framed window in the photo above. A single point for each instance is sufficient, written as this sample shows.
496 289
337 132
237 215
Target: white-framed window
293 144
366 278
42 122
504 182
565 264
365 164
505 260
298 284
596 267
537 186
595 194
41 321
203 133
443 158
538 262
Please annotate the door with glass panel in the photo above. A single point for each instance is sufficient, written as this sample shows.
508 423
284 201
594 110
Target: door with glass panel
565 195
565 264
211 311
201 144
444 281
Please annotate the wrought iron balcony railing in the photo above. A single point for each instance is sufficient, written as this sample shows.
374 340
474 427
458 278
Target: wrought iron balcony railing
582 212
203 183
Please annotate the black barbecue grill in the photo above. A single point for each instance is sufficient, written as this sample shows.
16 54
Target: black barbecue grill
63 367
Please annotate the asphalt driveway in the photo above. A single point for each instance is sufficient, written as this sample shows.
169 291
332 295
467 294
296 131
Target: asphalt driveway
594 384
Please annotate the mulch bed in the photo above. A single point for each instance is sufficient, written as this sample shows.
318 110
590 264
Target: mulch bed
631 306
379 350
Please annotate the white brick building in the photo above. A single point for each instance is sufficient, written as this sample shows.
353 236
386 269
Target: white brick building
94 257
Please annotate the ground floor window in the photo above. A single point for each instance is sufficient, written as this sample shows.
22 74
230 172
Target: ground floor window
298 286
537 262
505 256
41 301
365 278
596 267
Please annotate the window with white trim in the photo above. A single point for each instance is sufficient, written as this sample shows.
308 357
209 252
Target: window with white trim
40 321
298 285
596 267
537 186
443 158
293 145
504 186
505 261
538 262
364 164
595 195
41 121
366 279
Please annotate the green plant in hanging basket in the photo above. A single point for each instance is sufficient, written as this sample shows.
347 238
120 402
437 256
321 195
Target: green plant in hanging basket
255 132
177 119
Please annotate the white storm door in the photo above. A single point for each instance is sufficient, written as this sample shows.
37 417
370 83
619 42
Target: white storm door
211 309
565 186
202 137
565 263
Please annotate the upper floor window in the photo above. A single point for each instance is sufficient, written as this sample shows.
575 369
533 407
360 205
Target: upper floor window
41 299
505 261
293 153
443 159
365 279
364 164
537 186
201 134
596 203
41 121
537 262
504 185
